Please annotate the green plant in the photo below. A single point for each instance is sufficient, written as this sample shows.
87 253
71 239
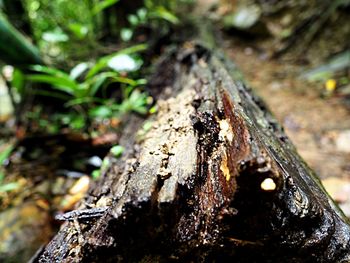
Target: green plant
154 14
4 156
117 150
67 30
15 49
101 5
81 85
327 70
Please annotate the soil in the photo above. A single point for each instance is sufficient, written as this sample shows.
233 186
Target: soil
315 120
313 123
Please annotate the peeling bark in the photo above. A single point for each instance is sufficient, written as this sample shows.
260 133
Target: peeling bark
190 188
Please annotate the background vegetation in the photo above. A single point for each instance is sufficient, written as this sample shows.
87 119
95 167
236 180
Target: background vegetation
72 71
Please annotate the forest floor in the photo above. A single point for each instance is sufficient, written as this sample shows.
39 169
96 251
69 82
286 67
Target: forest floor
319 127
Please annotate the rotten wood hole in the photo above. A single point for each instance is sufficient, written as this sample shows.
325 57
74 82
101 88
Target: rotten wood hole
214 179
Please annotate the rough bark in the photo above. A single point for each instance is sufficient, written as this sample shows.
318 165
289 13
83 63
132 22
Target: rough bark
189 188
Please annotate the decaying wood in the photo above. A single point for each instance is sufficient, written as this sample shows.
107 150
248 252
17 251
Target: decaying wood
189 188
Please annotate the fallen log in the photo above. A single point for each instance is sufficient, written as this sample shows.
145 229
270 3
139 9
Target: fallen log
214 179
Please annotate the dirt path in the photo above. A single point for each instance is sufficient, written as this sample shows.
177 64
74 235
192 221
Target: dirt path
314 124
319 127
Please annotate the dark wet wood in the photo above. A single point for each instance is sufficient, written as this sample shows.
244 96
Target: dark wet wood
189 188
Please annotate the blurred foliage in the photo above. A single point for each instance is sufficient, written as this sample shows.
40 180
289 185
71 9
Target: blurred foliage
84 89
323 72
67 31
85 66
15 49
4 155
334 73
117 150
97 74
154 14
62 25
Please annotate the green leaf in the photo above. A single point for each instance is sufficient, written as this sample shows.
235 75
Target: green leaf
149 4
79 101
55 36
8 187
57 78
117 150
126 34
50 71
102 62
124 80
141 82
137 102
58 83
161 12
52 94
80 31
77 123
6 153
102 78
18 81
103 5
140 109
133 19
327 70
96 174
2 176
102 111
105 163
153 110
124 62
96 82
78 70
15 49
142 14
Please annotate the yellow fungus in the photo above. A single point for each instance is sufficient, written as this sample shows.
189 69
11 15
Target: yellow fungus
268 185
224 168
331 84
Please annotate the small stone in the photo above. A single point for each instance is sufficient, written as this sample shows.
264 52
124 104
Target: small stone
244 18
80 186
342 142
338 188
248 51
275 85
291 124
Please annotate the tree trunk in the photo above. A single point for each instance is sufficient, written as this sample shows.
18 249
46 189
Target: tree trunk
214 179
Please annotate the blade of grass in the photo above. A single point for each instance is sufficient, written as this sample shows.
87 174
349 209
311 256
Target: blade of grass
52 94
50 71
62 84
102 62
103 5
6 153
8 187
